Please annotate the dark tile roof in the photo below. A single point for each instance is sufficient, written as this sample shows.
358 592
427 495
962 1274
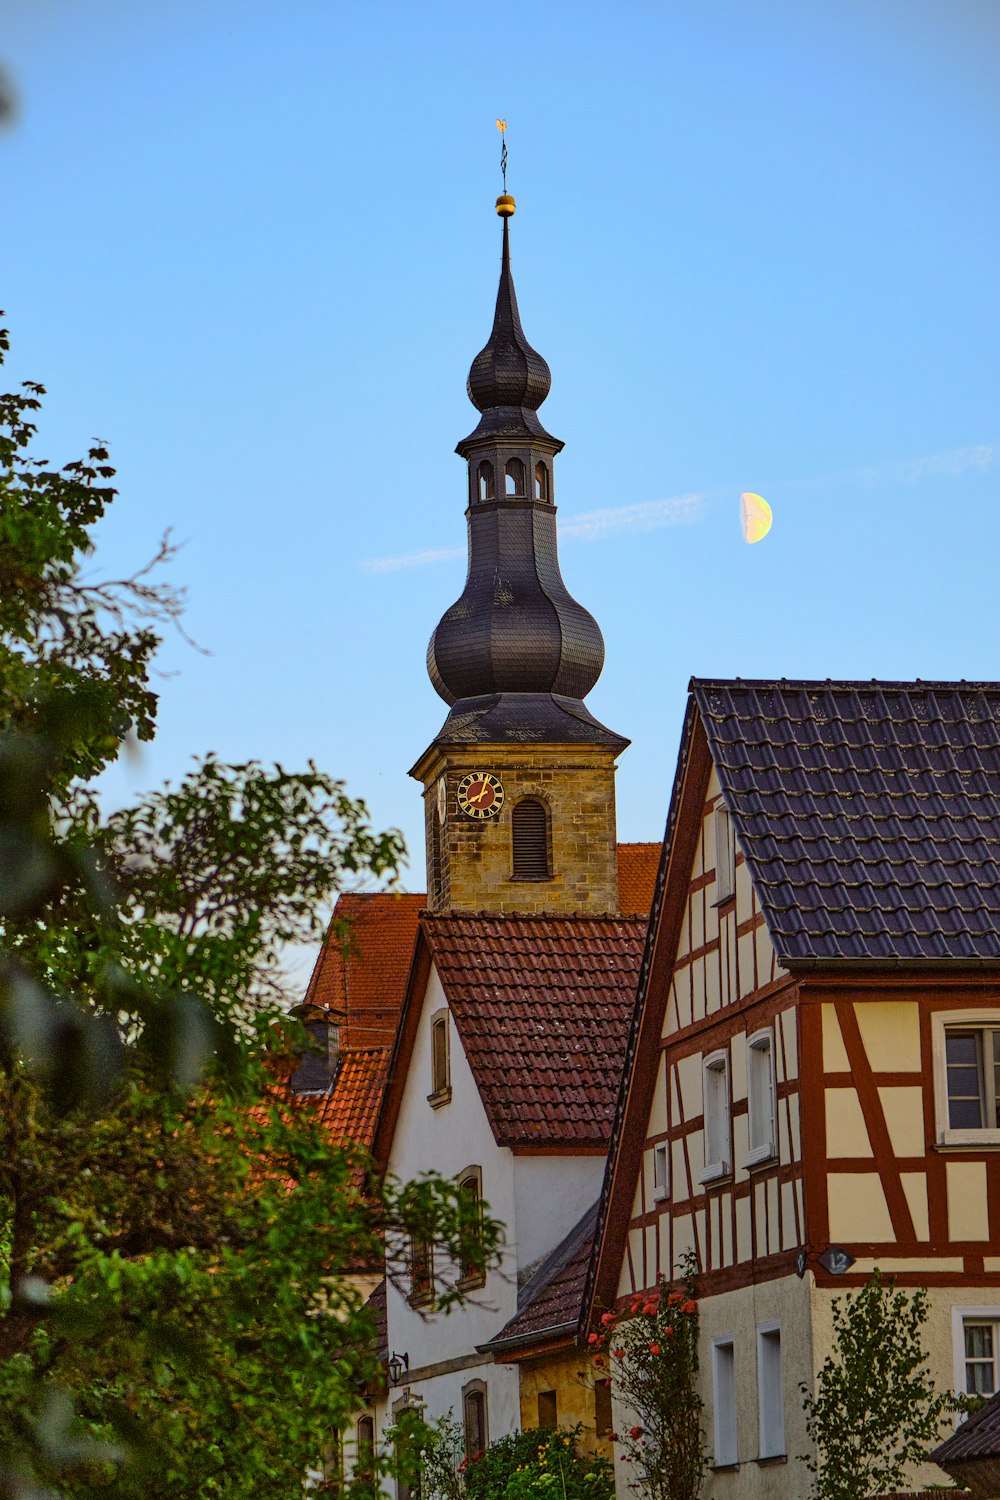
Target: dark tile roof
364 985
637 867
542 1006
350 1109
550 1300
868 813
977 1438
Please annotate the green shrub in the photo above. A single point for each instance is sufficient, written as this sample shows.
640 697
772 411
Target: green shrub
538 1462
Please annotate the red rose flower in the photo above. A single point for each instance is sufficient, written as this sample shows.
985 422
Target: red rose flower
598 1360
635 1432
593 1338
607 1319
688 1307
618 1353
655 1349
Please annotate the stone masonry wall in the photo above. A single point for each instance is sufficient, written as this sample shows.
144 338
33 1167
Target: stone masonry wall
577 784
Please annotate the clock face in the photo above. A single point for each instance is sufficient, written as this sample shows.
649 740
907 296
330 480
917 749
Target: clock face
480 794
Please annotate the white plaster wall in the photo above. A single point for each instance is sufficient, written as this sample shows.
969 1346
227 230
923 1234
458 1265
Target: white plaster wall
738 1313
447 1140
551 1193
443 1393
938 1340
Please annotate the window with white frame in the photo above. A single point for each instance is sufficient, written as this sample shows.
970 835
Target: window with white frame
967 1077
723 1402
770 1392
760 1098
661 1170
725 855
976 1337
718 1150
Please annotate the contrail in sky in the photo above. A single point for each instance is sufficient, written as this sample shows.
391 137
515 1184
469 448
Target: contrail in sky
685 510
648 515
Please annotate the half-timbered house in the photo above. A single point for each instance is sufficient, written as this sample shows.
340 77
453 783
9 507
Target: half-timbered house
813 1080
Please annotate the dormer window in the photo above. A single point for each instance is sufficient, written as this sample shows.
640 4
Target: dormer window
317 1064
541 482
487 481
514 477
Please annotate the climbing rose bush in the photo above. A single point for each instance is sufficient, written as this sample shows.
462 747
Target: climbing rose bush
651 1353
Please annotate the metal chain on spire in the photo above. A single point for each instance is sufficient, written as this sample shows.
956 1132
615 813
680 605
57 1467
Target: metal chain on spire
502 127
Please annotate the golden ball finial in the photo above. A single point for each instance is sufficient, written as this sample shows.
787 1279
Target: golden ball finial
505 205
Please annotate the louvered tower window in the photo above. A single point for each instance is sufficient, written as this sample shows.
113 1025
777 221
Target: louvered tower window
435 873
530 835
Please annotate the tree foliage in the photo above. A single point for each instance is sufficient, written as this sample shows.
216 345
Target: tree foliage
876 1411
181 1243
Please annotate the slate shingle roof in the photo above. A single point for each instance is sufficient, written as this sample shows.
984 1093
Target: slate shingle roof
977 1438
542 1006
868 813
550 1299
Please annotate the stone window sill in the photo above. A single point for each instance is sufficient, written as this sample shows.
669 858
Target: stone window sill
439 1097
771 1458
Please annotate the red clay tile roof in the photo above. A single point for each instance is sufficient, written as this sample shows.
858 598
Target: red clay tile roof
550 1301
542 1006
637 867
365 986
350 1109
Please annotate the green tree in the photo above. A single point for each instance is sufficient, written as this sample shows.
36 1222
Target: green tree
179 1241
876 1411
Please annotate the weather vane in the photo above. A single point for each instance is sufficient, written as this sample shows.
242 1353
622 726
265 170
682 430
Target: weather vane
502 127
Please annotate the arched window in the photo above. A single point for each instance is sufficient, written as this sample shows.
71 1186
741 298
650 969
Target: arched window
541 482
474 1412
440 1061
364 1458
470 1186
487 481
530 840
514 477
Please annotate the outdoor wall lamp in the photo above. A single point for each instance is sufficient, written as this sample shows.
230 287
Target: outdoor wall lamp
397 1364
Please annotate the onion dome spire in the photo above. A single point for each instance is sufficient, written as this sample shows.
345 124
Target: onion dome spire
516 655
508 379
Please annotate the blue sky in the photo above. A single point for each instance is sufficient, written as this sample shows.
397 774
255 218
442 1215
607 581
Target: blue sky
253 246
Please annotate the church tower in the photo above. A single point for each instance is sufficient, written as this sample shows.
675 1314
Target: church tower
519 782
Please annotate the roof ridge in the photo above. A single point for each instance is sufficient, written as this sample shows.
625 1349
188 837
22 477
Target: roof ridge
457 915
846 684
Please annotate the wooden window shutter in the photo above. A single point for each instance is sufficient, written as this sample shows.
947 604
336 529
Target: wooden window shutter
530 825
